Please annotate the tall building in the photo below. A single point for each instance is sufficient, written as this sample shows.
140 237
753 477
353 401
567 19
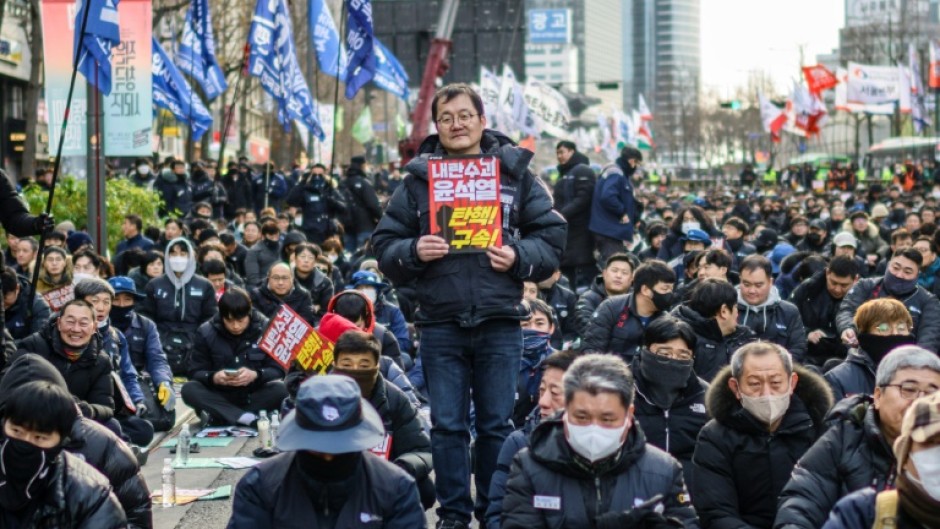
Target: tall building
603 51
662 61
554 42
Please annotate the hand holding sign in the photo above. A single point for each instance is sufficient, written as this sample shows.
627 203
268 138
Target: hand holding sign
431 247
501 258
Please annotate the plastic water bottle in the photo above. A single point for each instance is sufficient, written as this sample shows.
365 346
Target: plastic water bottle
275 427
183 444
264 430
169 483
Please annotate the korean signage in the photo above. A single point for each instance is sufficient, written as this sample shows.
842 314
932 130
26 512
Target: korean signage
290 337
464 201
128 111
56 299
58 28
549 26
872 85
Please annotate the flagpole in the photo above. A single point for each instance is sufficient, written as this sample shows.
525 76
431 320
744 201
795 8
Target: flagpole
58 159
339 59
227 118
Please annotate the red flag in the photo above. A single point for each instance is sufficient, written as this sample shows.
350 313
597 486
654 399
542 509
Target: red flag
934 77
818 78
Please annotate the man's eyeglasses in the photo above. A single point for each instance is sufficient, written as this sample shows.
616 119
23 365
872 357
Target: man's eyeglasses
675 354
910 391
463 118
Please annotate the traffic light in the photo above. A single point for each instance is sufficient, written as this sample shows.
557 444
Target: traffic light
734 104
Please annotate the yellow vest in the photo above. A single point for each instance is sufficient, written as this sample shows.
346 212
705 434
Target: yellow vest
887 175
654 177
770 177
861 174
822 174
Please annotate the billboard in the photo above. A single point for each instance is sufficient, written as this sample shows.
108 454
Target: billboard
549 26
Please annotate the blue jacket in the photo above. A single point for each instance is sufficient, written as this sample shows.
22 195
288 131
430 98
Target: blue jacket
114 344
857 511
613 198
392 318
145 349
515 443
138 241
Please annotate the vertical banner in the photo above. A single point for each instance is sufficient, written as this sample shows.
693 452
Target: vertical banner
464 201
128 111
58 29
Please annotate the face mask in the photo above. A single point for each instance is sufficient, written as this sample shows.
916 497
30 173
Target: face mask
366 378
876 347
25 470
143 169
927 463
595 442
688 226
814 238
766 409
102 324
664 376
332 257
897 286
663 301
178 263
271 244
340 467
77 278
121 316
370 293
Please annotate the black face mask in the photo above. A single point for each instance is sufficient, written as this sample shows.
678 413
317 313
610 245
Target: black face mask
876 347
897 286
339 468
663 301
665 377
813 238
121 316
26 471
365 378
735 244
273 245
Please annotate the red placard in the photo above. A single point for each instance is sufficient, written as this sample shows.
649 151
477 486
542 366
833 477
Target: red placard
59 297
464 201
290 337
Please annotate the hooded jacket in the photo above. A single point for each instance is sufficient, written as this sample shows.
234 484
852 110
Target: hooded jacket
712 349
613 198
551 469
464 288
93 443
21 322
775 320
588 303
818 309
852 455
739 467
574 192
88 378
923 307
268 303
388 341
616 327
179 304
215 349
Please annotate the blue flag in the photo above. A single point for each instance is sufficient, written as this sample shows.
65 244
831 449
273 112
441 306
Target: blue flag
172 92
94 46
326 39
389 74
196 55
360 47
273 60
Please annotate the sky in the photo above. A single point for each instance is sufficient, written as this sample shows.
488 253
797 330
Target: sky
739 36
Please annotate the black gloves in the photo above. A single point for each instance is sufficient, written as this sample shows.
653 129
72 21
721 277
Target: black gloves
641 518
43 223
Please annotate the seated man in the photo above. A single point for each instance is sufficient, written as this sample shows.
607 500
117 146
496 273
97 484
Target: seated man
766 412
20 320
231 379
761 308
279 289
326 475
386 312
818 300
564 302
356 355
594 445
615 279
883 325
536 346
855 453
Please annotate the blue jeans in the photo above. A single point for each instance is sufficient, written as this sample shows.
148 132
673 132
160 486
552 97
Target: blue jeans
459 362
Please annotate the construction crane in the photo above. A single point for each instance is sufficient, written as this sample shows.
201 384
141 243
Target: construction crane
436 66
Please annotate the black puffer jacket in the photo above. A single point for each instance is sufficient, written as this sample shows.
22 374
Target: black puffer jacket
574 192
588 303
775 320
564 302
818 311
616 328
852 455
320 287
712 350
854 376
88 378
465 288
674 430
364 210
215 348
739 468
923 306
268 303
22 322
551 469
258 261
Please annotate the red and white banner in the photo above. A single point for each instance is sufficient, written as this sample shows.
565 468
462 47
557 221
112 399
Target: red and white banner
933 78
772 117
819 78
645 113
872 85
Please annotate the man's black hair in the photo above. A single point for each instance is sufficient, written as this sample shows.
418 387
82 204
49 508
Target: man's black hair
41 406
9 280
718 257
452 90
227 238
656 229
213 267
56 236
307 247
567 144
668 328
135 219
351 306
95 259
357 342
651 273
843 266
621 257
234 304
738 224
912 254
752 263
561 360
710 295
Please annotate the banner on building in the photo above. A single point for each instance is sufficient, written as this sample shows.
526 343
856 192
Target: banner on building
465 201
128 110
289 337
549 26
58 29
872 85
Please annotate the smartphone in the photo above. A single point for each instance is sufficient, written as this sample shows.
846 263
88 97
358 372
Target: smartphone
231 372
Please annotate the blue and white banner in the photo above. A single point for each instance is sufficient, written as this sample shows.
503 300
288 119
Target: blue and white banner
389 74
172 92
326 39
196 55
101 33
360 47
273 60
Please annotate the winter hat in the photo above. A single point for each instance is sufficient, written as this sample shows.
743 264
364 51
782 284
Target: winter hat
76 240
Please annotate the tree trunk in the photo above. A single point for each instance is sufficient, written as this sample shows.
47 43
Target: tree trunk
32 92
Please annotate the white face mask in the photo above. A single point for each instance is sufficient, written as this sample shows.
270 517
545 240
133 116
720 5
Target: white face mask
80 276
369 293
143 169
299 220
594 442
766 409
332 257
688 226
178 263
927 463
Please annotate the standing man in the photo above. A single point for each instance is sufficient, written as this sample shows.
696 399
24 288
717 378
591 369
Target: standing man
315 205
470 305
133 238
364 208
613 209
573 194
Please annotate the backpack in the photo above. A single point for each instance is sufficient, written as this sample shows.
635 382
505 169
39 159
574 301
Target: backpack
886 510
